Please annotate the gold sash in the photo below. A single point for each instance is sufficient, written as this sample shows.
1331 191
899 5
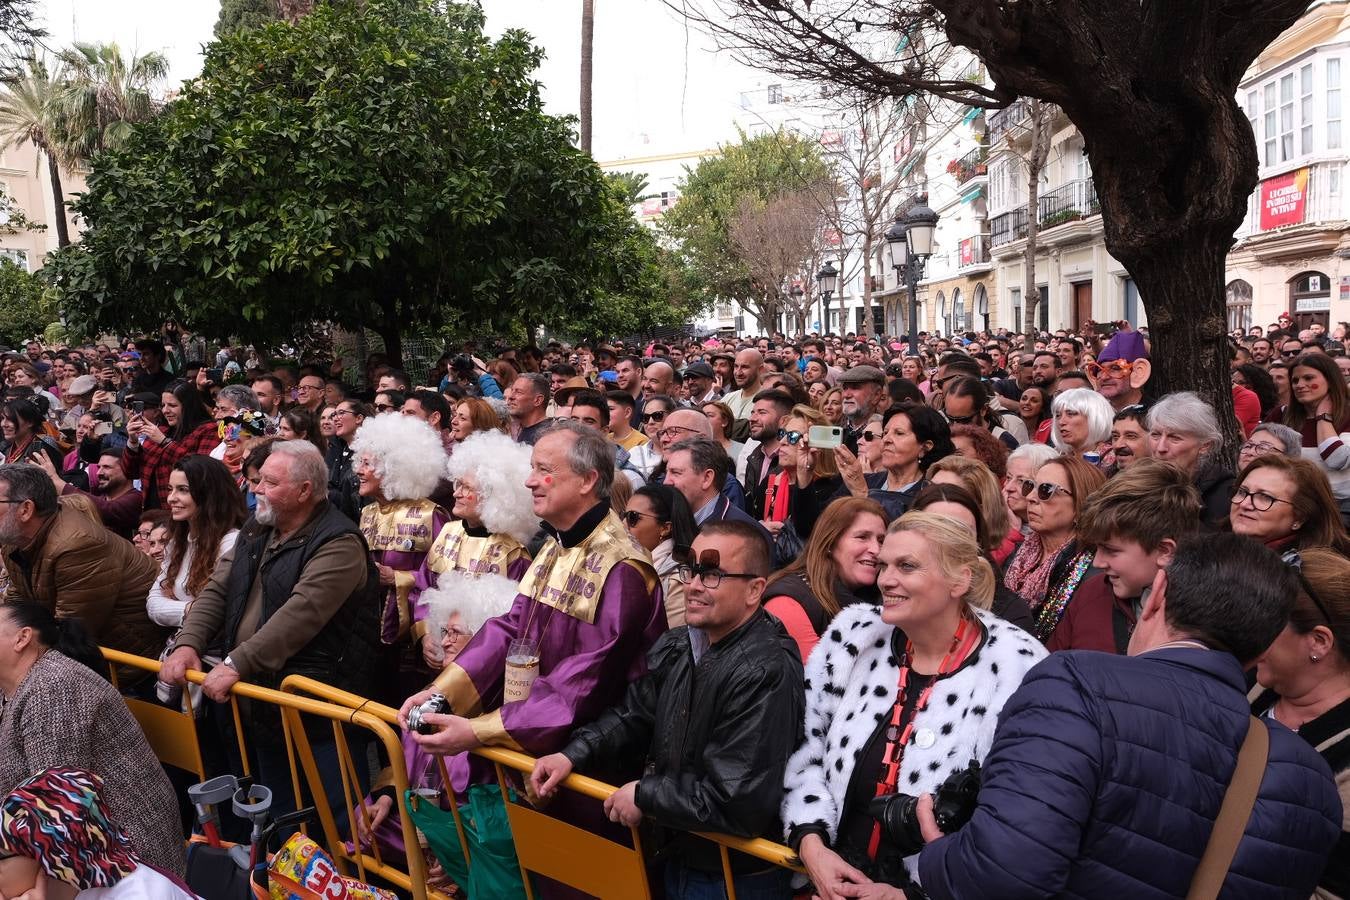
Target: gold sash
570 579
399 525
455 550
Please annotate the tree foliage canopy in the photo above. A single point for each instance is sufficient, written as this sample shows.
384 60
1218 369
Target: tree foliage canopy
379 163
25 307
755 170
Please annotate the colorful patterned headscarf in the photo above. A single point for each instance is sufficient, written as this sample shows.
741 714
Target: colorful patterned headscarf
58 818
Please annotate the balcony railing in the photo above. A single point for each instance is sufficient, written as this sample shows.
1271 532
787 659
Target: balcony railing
1005 120
1322 201
1068 203
973 164
1009 227
973 251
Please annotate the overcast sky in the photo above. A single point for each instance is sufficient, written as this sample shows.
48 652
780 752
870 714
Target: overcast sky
657 87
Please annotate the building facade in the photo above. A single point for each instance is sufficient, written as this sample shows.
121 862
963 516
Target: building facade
26 186
1292 252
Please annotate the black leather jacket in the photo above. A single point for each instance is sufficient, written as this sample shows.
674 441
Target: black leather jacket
715 735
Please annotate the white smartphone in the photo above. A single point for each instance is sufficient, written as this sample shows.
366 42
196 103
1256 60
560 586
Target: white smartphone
825 437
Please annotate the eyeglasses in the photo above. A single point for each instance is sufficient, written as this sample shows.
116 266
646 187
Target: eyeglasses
1261 501
961 420
710 576
1116 368
309 387
791 437
656 415
1295 562
1291 352
631 517
1260 448
1045 490
871 435
342 412
673 432
383 407
1023 485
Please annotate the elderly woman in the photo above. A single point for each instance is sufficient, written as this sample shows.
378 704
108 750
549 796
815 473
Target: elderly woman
1049 566
1286 504
399 460
239 421
1022 465
870 726
494 519
60 712
1320 413
1303 682
1082 424
837 568
913 437
1184 431
1270 438
57 838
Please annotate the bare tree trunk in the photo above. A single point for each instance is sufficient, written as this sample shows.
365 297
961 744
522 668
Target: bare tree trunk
1040 114
59 199
587 52
867 329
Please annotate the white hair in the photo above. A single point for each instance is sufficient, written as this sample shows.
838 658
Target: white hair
1186 413
1090 404
499 467
1035 453
476 599
405 452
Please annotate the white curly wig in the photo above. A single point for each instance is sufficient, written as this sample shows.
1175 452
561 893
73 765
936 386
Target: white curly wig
405 452
499 467
476 599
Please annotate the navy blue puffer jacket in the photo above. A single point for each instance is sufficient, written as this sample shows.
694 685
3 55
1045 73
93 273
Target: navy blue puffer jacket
1105 777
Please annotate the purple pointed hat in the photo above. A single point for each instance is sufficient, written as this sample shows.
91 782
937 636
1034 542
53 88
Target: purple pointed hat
1126 345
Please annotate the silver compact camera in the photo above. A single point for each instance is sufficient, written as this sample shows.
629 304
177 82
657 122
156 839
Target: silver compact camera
437 704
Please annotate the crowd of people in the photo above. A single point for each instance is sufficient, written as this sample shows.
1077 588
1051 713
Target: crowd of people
798 589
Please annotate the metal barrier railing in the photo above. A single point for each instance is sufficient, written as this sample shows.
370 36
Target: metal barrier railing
304 696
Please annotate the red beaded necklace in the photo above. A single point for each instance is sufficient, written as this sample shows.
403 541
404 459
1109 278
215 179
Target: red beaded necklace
964 642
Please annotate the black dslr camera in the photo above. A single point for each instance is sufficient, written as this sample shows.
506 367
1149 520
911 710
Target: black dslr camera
953 805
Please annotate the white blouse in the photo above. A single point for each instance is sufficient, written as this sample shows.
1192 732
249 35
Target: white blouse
169 610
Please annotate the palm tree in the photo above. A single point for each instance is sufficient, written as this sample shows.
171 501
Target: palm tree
587 60
30 111
103 94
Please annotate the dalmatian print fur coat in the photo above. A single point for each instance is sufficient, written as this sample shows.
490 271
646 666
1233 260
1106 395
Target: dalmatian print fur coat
851 680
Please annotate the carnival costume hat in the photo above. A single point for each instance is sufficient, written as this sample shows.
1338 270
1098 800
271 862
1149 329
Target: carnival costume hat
1126 345
476 598
57 818
405 452
499 468
244 423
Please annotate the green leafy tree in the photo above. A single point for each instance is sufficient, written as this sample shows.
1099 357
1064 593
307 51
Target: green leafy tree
754 171
237 15
26 308
378 164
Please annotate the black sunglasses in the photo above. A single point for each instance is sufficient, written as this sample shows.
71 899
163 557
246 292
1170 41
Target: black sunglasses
1044 491
657 415
631 517
792 437
871 435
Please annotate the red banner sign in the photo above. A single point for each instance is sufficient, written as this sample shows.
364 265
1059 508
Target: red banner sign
1284 199
968 252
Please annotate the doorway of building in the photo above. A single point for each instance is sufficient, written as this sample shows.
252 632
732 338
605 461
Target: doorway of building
1082 304
1310 300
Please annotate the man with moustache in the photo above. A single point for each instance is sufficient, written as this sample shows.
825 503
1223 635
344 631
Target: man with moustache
1122 370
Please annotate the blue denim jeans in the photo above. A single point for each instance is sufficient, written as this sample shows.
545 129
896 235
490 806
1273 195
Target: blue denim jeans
683 883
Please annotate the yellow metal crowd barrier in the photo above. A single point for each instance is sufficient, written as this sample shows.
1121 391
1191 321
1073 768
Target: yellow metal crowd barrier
544 845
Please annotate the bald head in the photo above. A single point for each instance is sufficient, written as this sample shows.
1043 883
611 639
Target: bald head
749 362
657 378
684 423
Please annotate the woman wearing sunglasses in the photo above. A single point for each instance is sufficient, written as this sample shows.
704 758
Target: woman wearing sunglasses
1286 504
1049 565
1303 681
658 517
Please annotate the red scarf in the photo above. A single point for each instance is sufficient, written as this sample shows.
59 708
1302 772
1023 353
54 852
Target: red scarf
777 492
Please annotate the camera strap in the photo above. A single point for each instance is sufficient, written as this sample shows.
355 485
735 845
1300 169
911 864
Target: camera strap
898 734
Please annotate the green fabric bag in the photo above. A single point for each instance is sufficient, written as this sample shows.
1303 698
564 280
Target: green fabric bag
493 872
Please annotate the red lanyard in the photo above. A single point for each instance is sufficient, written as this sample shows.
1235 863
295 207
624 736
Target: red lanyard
963 643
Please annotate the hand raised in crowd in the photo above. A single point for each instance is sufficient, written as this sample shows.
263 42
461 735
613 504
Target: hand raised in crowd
805 471
850 469
549 772
827 870
621 806
176 665
44 462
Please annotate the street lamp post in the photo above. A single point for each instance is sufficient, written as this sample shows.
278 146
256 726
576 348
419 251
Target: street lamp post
827 278
911 242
